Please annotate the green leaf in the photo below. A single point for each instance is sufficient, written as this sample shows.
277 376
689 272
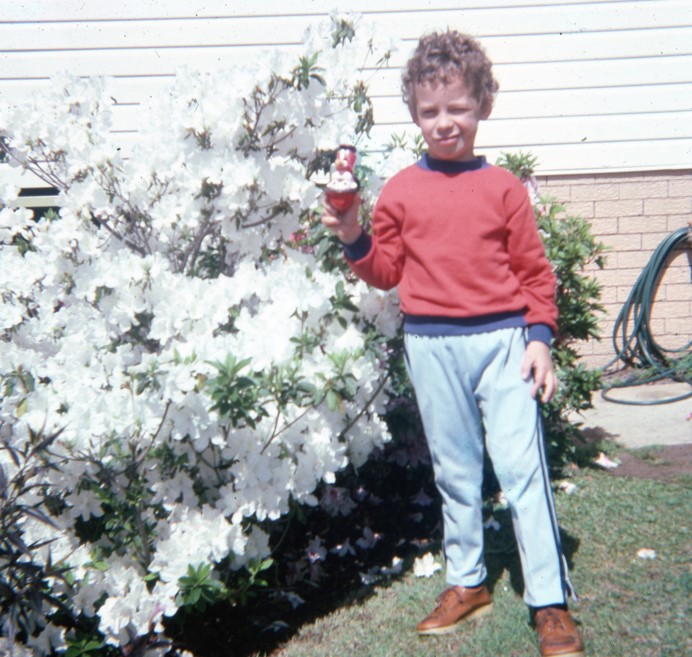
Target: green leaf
332 400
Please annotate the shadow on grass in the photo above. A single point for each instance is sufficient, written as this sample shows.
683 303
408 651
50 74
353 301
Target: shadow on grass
502 554
327 560
267 622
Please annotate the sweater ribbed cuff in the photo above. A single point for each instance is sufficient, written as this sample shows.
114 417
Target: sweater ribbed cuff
540 333
360 248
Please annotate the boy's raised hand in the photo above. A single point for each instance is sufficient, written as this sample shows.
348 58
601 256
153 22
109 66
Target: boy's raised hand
537 362
345 224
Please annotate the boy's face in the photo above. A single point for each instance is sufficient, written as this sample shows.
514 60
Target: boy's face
448 116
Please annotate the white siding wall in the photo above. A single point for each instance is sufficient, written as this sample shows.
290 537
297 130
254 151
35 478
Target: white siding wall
587 86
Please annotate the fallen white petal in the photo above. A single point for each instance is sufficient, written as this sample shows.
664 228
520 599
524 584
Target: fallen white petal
646 553
605 462
425 566
567 487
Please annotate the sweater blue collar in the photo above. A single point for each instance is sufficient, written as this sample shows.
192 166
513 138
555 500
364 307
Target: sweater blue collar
446 166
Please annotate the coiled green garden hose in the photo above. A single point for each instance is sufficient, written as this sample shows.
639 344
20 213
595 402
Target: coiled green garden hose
637 347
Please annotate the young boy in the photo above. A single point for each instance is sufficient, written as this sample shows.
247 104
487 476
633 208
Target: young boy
458 238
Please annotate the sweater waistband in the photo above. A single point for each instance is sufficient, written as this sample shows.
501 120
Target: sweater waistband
442 326
450 326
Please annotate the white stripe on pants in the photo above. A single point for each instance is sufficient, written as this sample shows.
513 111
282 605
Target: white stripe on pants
468 387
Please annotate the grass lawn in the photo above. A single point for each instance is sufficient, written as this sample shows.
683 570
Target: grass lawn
629 606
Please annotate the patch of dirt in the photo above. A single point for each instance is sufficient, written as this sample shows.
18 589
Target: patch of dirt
672 463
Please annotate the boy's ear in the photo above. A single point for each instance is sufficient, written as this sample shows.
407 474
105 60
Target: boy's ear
486 110
412 110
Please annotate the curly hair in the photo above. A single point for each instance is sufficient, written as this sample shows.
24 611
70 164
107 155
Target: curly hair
441 57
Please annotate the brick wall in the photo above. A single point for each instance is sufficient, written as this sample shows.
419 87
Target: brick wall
632 214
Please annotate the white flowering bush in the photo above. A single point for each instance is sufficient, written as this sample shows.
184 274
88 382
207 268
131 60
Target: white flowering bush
181 361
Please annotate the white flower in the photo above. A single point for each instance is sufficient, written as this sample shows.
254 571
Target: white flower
294 599
421 498
343 549
15 223
316 550
369 539
84 504
425 566
276 626
370 577
394 568
337 500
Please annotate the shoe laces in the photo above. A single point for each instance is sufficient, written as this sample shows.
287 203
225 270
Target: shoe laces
549 620
441 600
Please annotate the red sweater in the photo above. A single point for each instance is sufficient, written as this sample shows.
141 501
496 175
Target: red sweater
458 245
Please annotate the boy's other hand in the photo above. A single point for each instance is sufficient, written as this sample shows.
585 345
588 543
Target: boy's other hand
344 224
537 362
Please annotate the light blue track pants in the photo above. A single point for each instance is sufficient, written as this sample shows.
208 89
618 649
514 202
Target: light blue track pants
469 387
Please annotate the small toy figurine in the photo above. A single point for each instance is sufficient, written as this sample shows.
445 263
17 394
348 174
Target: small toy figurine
343 185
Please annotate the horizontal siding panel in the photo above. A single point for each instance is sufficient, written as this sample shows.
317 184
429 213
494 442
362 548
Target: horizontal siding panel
604 73
179 23
125 90
521 133
154 34
549 75
568 75
555 19
555 103
586 157
488 22
150 61
77 10
602 101
587 46
236 32
598 158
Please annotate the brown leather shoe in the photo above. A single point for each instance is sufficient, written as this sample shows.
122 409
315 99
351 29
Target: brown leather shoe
454 606
558 636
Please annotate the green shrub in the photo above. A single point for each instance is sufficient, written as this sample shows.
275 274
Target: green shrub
570 247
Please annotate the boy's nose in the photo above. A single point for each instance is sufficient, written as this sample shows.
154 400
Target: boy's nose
444 121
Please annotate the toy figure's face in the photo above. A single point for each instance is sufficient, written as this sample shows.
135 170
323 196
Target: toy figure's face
448 117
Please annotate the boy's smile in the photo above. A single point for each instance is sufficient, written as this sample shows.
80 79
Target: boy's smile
448 116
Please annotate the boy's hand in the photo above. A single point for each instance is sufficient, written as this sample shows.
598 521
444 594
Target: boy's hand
344 224
537 362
